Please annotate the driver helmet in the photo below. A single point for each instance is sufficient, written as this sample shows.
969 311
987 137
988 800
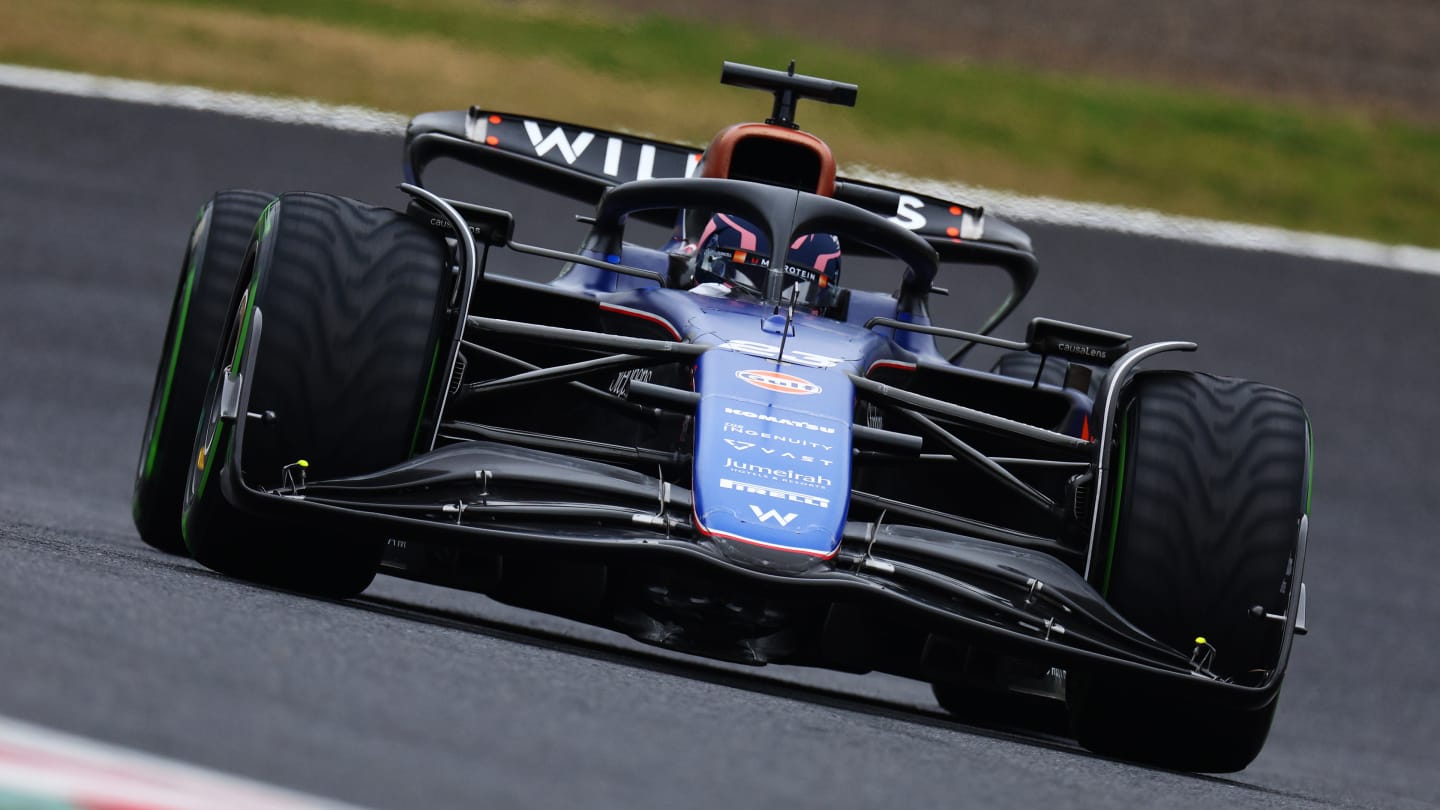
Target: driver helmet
733 253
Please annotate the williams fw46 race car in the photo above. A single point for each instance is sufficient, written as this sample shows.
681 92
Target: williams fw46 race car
716 443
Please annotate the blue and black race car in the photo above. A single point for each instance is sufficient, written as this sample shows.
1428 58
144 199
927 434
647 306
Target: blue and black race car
715 441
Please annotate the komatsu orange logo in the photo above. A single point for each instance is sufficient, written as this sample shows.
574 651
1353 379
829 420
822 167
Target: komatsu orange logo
775 381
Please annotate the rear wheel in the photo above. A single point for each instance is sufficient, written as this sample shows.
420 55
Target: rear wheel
1024 366
1211 484
197 316
347 302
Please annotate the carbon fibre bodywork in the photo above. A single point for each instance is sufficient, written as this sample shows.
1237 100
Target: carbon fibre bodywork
731 477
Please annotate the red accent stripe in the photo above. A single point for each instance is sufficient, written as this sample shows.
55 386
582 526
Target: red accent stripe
751 542
646 316
895 364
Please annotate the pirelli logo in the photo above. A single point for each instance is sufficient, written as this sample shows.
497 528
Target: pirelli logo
773 492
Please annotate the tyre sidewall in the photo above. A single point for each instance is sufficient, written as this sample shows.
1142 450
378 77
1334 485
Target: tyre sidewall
202 294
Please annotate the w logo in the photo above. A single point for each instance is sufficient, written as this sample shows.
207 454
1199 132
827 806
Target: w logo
783 520
569 150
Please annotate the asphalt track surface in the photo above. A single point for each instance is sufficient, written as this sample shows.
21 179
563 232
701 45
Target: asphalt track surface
421 697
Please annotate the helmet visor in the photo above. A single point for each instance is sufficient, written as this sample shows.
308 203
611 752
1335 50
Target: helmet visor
751 273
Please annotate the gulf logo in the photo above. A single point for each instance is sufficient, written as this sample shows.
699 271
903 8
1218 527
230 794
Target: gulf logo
775 381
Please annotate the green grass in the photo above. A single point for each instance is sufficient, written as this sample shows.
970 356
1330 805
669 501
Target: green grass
1174 149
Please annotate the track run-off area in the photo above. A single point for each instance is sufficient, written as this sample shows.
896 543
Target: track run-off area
414 696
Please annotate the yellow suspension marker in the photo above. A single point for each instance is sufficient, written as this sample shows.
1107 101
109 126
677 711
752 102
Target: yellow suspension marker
288 473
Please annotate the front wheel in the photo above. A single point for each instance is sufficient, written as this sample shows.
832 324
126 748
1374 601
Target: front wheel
1205 516
197 317
347 302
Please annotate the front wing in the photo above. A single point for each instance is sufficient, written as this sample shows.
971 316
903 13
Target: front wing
494 498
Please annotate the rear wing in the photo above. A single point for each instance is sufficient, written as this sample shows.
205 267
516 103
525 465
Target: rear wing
582 163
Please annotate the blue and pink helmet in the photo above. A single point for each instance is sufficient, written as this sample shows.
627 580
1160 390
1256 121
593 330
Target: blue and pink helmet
732 252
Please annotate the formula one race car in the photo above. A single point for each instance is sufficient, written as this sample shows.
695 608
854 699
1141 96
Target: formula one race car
715 444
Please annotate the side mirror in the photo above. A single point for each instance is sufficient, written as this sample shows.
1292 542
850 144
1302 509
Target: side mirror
489 226
1085 344
679 265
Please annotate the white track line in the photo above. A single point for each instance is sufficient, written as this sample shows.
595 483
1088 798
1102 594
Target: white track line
1046 210
1211 232
44 768
280 110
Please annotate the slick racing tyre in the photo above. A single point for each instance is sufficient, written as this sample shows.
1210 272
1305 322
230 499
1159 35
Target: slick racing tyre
1211 485
202 299
1024 365
345 304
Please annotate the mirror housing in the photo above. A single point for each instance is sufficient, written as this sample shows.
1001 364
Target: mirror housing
489 226
1084 344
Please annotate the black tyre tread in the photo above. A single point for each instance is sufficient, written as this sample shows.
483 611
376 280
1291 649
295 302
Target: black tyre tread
1211 459
1023 365
217 246
1215 473
351 297
353 327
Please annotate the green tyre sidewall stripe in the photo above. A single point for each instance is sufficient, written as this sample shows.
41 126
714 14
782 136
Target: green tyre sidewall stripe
217 452
172 352
425 400
201 309
1118 500
154 428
